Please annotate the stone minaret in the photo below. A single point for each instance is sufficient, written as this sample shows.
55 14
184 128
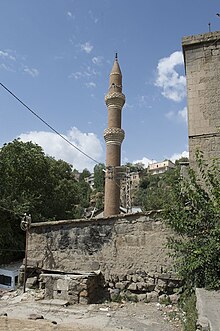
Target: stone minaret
114 136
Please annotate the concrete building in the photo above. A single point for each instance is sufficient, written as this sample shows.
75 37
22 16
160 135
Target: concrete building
113 136
9 275
90 180
160 167
202 65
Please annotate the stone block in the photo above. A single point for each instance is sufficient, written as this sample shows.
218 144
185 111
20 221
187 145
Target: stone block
152 296
121 285
83 293
132 287
142 297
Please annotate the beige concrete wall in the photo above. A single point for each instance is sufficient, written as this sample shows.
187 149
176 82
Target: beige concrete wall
116 246
202 63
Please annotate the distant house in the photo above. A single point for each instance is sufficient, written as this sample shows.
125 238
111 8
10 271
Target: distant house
134 181
90 180
160 167
9 275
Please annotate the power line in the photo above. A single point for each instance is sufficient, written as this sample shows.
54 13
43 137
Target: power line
10 211
48 125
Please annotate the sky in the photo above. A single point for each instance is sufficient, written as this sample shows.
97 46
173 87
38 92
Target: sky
56 56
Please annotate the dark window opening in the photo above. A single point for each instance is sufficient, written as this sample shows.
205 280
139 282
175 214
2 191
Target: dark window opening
5 280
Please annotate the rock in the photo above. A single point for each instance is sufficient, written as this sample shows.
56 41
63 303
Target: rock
152 296
104 309
140 286
35 317
163 298
132 287
3 314
83 293
31 282
141 297
135 278
120 285
149 285
174 298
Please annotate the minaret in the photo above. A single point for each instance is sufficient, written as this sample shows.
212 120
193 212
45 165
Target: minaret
114 136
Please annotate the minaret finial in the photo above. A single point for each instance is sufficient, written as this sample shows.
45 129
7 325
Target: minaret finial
116 56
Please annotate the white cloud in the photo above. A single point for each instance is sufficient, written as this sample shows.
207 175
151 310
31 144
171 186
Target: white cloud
90 85
5 54
98 60
93 18
6 67
177 156
172 83
87 73
142 101
180 116
55 146
87 47
183 114
76 75
145 161
31 71
70 15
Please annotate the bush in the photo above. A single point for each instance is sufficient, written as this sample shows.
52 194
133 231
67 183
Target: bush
194 215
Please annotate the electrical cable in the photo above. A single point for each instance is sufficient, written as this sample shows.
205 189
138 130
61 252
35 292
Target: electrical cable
48 125
10 211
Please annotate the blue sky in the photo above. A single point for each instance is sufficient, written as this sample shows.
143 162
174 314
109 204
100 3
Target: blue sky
56 55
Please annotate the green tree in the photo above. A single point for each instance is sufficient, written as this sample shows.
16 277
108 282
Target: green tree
194 215
99 177
99 182
154 190
33 183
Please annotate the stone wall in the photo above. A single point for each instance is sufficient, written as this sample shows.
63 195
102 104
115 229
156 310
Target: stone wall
129 251
202 63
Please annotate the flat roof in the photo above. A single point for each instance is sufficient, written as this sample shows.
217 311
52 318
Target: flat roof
201 38
11 266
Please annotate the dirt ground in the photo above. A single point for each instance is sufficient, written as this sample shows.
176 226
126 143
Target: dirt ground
95 317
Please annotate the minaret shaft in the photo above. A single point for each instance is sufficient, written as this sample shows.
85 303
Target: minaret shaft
114 136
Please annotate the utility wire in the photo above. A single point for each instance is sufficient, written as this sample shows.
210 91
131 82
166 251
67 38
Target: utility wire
48 125
11 211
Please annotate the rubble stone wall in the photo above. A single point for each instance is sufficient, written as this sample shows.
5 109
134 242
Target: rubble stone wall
129 251
115 245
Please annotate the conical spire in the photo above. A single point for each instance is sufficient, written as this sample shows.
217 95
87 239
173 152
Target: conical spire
115 83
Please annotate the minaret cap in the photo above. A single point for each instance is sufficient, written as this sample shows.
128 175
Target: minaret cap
116 69
115 83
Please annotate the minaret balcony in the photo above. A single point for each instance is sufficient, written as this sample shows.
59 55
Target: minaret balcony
116 98
114 136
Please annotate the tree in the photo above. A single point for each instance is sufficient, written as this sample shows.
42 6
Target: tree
33 183
154 190
194 215
99 181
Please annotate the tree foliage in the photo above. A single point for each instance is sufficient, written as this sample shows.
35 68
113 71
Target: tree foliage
194 215
33 183
99 182
154 190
